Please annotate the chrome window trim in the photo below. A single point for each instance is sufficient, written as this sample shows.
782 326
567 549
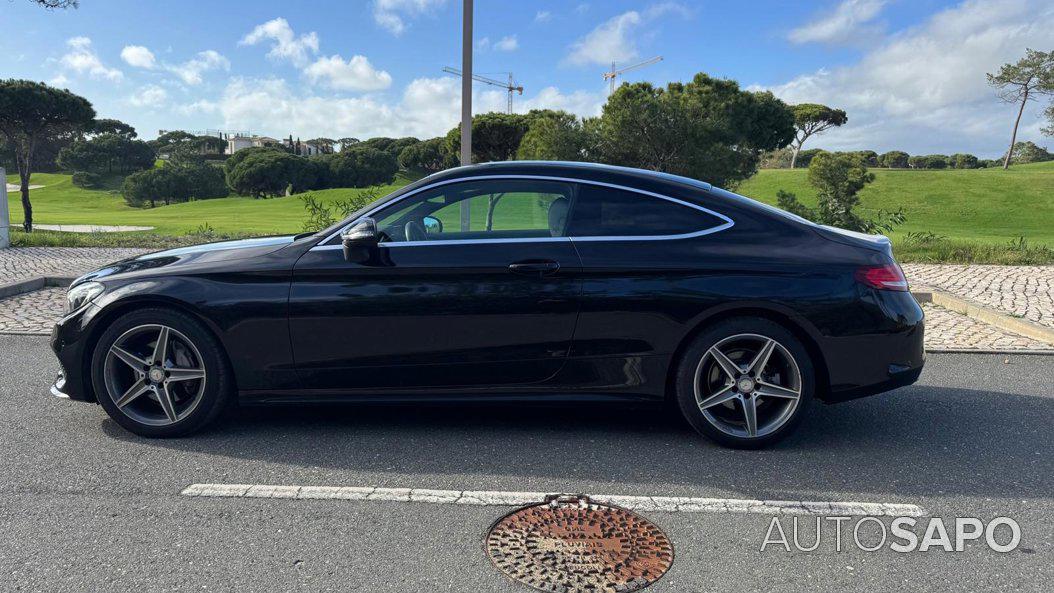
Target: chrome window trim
729 223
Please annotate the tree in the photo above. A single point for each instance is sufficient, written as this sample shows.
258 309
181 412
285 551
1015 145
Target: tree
107 153
495 137
1049 114
361 167
112 126
429 156
894 159
32 113
928 161
963 161
173 184
838 178
324 145
271 173
52 4
811 119
1021 82
708 128
1029 152
554 136
346 143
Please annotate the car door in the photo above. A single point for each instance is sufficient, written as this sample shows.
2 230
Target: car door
474 285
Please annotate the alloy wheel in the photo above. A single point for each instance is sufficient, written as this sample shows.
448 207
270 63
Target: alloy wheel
748 385
154 374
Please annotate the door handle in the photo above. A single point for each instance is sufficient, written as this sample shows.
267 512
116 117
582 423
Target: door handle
534 268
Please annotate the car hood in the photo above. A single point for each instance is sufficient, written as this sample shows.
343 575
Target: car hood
181 256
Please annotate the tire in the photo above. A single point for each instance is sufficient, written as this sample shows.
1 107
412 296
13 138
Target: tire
719 410
190 389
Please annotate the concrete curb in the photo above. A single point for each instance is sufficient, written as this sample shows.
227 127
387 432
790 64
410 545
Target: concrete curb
986 314
31 284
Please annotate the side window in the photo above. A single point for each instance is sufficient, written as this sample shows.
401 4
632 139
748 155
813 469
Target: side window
484 209
608 212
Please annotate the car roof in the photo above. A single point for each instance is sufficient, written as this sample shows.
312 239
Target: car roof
594 171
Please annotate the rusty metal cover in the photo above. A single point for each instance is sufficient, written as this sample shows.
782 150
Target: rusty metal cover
570 544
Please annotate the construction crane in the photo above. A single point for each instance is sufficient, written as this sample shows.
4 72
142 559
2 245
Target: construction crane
614 73
509 86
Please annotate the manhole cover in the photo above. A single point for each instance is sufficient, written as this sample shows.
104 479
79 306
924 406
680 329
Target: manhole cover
570 544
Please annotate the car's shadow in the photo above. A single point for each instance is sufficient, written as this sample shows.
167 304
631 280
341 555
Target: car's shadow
917 441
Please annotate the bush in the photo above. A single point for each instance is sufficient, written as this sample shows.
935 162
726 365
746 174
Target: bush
806 156
838 178
86 180
1029 152
358 167
963 161
894 159
269 173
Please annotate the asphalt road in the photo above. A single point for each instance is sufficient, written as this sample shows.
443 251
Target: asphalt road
85 506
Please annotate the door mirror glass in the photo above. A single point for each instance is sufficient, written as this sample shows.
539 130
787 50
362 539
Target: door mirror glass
433 225
360 239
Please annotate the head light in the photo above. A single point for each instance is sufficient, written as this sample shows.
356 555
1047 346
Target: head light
81 295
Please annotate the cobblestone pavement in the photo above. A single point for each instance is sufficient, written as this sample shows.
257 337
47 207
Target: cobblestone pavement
32 312
21 263
1025 291
946 329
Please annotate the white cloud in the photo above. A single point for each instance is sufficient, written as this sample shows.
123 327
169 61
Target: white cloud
357 74
612 40
507 43
609 42
924 89
543 16
483 44
150 96
191 71
285 45
82 59
428 107
848 22
392 14
138 56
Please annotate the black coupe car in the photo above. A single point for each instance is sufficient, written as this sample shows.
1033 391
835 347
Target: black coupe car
506 281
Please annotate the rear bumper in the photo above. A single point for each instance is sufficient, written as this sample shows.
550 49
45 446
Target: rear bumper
892 356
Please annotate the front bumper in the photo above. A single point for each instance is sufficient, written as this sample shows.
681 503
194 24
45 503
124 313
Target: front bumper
69 339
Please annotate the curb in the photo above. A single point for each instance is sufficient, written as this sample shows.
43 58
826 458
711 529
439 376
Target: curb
31 284
986 314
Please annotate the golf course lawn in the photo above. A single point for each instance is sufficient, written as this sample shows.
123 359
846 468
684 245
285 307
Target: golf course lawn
981 205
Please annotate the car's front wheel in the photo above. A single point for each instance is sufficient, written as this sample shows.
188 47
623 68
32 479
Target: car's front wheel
745 382
160 373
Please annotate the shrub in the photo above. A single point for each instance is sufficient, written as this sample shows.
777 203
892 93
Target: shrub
1029 152
805 157
894 159
86 180
837 179
320 216
268 173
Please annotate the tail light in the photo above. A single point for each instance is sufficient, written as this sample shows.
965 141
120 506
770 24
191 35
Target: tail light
886 277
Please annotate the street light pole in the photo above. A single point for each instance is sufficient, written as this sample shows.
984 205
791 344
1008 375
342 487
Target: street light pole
466 102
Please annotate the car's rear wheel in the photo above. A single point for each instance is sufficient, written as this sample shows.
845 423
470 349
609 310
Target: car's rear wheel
745 382
159 373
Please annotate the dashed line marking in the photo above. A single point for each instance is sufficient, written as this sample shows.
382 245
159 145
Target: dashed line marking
670 504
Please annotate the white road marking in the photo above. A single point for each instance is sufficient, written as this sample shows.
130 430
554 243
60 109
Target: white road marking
672 504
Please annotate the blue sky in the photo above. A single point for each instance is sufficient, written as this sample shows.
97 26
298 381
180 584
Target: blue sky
910 73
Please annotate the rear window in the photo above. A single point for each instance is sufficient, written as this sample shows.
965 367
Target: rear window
600 211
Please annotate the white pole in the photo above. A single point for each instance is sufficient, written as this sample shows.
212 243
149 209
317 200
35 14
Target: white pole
466 102
5 216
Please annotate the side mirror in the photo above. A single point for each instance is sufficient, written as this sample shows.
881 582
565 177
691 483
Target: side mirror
432 225
360 239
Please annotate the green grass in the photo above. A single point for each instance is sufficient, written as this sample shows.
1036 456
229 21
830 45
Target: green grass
60 202
990 206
